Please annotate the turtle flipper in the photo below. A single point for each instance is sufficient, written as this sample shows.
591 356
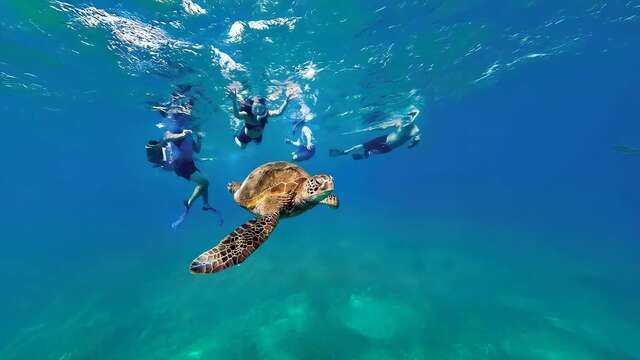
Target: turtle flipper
236 246
331 201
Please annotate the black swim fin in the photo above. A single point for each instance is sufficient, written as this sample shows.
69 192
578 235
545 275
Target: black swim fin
336 152
216 211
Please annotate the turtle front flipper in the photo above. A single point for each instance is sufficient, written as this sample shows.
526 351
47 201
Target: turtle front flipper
236 246
233 186
331 201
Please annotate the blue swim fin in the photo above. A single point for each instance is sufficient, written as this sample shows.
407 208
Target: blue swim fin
185 212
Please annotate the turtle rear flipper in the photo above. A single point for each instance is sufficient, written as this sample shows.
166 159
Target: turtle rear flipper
236 246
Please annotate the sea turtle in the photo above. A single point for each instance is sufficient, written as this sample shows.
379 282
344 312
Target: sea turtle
272 191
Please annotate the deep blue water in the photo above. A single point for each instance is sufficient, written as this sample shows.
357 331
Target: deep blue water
510 232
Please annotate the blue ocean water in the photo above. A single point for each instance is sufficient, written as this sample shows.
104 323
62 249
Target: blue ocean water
509 232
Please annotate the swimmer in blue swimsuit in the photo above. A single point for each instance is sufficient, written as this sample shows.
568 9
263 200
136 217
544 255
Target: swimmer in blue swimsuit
182 149
305 147
178 148
255 115
405 132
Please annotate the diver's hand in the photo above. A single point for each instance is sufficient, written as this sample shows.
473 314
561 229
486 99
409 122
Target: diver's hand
187 132
287 141
232 93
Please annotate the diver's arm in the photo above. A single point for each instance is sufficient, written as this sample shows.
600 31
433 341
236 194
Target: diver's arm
281 109
234 100
415 138
169 136
236 112
306 132
197 145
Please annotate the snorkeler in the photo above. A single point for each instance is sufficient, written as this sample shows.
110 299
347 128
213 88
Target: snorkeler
405 132
182 148
627 150
176 149
179 108
255 115
305 145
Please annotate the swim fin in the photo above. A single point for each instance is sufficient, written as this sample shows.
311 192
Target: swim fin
216 211
185 212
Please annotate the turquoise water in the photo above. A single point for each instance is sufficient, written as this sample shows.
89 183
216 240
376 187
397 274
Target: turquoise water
510 232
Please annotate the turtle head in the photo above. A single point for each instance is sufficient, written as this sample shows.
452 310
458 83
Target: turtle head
317 188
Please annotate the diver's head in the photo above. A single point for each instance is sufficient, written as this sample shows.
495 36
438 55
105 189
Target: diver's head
317 188
259 106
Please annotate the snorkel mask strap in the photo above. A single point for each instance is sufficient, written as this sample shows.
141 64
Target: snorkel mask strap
413 114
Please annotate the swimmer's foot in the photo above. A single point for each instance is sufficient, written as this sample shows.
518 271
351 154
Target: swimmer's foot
207 207
336 152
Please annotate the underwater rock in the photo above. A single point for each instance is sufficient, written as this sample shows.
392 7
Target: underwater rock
385 354
549 345
374 318
275 337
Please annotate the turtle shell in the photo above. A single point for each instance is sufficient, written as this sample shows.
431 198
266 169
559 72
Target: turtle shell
270 179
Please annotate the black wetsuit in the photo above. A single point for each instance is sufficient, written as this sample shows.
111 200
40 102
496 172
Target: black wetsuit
377 146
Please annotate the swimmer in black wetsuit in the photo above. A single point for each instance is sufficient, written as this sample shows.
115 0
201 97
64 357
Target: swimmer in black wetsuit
405 132
627 150
255 115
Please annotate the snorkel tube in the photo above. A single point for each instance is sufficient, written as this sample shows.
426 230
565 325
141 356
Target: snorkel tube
413 114
259 110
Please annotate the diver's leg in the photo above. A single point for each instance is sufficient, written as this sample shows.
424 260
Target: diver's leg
242 139
354 148
291 142
336 152
365 155
201 189
303 153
